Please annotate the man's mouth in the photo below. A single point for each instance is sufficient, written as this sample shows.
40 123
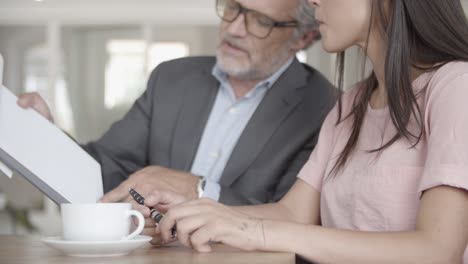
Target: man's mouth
230 47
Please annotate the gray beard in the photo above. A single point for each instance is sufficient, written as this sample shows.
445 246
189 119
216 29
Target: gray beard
253 73
259 70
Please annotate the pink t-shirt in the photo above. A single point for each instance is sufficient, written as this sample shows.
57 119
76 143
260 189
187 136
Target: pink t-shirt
382 191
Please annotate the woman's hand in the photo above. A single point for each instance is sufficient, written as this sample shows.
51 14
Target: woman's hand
161 201
203 222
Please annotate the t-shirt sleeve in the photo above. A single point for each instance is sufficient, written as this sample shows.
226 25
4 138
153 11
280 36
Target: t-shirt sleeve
446 123
315 168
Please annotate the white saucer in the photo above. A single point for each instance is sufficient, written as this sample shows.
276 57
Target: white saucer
96 248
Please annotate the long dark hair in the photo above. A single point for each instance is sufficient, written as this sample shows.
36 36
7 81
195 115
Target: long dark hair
417 33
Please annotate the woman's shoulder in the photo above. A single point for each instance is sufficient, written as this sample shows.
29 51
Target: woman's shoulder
448 73
448 83
454 67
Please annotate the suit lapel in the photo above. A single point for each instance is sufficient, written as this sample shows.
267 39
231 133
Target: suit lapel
199 96
276 106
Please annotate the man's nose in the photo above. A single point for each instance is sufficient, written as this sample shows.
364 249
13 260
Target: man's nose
314 2
238 26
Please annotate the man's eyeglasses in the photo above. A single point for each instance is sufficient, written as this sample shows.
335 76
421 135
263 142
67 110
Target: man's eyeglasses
256 23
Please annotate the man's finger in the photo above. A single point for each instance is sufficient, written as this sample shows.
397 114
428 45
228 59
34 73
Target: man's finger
128 199
118 194
141 208
154 199
164 199
157 238
149 232
25 100
35 101
149 223
157 241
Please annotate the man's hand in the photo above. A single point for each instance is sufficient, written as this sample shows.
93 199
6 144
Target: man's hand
35 101
175 187
155 178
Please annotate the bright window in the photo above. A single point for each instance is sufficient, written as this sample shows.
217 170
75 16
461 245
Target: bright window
37 80
126 72
302 56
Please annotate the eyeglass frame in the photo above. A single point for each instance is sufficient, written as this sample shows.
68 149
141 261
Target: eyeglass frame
243 10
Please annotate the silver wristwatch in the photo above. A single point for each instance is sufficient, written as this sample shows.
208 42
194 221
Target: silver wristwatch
201 187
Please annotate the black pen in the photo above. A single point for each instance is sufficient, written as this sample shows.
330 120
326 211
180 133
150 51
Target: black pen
154 214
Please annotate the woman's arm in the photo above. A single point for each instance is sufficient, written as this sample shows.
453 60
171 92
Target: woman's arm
441 236
300 204
203 221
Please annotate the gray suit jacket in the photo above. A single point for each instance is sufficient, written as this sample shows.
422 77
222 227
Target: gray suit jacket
165 126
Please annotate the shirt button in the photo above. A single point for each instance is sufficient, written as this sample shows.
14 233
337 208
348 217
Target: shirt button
232 110
215 154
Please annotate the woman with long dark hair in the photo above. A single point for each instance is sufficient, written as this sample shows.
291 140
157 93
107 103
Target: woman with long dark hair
388 180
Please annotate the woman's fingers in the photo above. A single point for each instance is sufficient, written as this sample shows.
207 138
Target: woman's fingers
202 239
177 213
186 226
167 223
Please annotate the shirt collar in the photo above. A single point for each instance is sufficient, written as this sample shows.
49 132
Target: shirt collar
267 83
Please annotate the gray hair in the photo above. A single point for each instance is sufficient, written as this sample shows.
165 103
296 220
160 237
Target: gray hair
305 15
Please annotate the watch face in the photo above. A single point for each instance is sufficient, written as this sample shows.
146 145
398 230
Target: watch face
203 183
201 187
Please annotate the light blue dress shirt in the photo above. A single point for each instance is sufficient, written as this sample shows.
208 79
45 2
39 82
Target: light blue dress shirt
228 118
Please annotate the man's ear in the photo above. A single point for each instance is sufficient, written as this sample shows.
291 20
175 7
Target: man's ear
305 40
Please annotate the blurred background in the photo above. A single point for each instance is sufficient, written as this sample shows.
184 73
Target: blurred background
91 59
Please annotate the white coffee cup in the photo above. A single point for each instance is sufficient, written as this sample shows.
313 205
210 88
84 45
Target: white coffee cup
99 221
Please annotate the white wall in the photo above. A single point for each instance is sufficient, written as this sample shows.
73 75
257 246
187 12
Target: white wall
162 12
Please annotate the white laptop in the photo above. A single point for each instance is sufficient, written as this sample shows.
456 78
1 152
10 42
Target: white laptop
40 152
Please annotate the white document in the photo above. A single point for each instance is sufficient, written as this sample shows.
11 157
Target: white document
3 167
39 151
